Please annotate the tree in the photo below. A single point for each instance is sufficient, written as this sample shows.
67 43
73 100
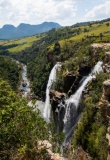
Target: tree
107 24
56 48
20 126
100 36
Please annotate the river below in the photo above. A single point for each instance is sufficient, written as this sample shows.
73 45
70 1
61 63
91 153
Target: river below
26 90
24 83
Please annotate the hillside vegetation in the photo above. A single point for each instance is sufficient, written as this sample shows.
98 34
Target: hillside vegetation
73 47
9 71
18 45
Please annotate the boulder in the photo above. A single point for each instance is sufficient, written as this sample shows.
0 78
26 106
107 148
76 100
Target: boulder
57 95
107 57
106 68
24 84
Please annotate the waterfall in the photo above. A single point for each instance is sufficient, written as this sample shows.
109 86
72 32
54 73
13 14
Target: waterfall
72 104
52 78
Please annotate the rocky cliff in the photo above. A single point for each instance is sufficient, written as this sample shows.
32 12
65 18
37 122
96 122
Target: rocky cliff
104 104
104 107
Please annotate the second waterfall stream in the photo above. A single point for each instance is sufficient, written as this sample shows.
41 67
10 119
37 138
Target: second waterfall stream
52 78
72 104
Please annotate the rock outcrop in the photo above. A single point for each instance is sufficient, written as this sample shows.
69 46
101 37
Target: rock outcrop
104 106
106 67
58 108
101 45
57 95
24 84
48 148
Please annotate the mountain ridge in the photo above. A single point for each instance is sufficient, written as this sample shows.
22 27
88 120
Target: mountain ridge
9 31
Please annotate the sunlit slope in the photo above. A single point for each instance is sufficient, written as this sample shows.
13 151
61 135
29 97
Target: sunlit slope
101 32
20 44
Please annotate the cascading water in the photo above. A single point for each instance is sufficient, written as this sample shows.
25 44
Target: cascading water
72 104
52 79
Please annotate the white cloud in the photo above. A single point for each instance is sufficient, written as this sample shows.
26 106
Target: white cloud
99 12
37 11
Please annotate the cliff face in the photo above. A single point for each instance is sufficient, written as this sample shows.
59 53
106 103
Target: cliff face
104 104
58 108
45 145
104 107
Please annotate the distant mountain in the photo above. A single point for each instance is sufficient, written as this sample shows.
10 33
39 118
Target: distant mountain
11 32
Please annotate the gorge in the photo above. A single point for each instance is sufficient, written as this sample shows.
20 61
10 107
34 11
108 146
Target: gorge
64 102
68 111
71 107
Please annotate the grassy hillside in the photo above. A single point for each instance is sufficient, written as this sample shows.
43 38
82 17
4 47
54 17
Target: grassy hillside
20 44
95 30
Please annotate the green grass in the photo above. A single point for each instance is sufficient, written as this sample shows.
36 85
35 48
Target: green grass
23 43
94 30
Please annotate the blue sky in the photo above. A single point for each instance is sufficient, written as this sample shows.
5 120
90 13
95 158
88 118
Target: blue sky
65 12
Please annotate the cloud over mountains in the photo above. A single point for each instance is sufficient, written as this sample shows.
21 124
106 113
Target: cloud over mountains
37 11
65 12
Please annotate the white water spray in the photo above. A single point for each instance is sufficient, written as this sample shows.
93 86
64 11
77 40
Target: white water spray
52 79
73 102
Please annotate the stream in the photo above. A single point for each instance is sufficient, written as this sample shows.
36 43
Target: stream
25 90
24 83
